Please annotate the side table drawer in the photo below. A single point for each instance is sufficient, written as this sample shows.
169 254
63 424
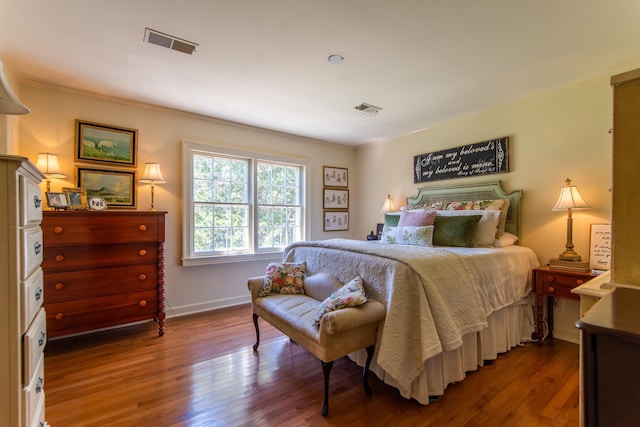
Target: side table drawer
555 284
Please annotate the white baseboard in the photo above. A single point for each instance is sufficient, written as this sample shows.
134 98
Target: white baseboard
204 306
567 335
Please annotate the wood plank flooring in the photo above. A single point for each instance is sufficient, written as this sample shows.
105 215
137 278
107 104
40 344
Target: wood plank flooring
203 372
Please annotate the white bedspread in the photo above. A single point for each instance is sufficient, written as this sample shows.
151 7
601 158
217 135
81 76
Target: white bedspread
433 296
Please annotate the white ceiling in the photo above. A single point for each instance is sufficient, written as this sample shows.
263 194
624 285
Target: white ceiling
264 63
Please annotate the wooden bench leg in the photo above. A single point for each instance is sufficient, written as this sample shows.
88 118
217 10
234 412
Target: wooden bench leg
365 373
326 368
255 323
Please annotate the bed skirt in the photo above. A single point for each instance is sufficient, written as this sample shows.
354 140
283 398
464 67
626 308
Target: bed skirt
508 328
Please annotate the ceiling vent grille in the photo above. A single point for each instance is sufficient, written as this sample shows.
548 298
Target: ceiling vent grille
368 109
170 42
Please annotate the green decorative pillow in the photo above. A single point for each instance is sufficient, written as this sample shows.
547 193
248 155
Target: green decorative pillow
408 235
350 295
392 219
455 230
284 278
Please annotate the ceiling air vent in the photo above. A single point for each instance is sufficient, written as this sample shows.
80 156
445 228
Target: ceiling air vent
368 109
170 42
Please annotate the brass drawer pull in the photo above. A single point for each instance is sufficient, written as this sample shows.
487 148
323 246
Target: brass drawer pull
59 316
579 282
142 227
59 286
551 289
142 277
142 252
57 229
142 303
59 258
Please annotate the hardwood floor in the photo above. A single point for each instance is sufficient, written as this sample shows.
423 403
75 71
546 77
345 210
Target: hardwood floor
203 372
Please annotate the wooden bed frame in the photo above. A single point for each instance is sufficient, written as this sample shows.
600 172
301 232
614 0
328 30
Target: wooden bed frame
483 191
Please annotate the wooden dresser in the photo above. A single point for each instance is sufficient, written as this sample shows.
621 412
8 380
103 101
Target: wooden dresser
610 348
23 329
102 269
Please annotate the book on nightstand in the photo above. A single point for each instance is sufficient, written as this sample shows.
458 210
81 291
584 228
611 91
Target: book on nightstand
560 264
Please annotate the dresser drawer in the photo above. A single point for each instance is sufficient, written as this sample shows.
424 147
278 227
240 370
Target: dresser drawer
31 202
31 247
100 228
98 282
33 345
33 394
37 417
94 313
63 258
32 298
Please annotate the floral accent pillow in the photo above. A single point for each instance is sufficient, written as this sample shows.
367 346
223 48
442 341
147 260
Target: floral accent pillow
408 235
350 295
284 278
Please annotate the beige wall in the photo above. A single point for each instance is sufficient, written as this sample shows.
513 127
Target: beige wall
50 127
564 133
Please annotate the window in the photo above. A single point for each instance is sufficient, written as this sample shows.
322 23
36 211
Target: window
240 205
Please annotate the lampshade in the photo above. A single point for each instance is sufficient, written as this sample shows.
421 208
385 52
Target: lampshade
48 164
152 174
9 102
570 198
388 205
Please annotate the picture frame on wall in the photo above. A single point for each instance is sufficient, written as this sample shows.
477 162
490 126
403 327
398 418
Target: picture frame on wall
106 144
335 177
336 220
76 197
335 199
116 187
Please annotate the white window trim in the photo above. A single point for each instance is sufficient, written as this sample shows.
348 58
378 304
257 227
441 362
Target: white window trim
187 202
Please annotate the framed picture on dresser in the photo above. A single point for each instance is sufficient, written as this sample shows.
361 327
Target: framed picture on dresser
116 187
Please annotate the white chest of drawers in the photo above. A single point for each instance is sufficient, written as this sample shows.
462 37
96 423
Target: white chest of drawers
23 320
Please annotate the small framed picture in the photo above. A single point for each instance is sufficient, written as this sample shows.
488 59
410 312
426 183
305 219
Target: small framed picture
600 247
57 200
105 144
335 199
379 228
336 221
335 177
76 197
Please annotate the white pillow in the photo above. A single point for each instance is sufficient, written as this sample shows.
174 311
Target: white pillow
506 239
487 226
408 235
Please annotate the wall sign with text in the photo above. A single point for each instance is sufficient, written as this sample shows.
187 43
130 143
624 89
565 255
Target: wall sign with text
481 158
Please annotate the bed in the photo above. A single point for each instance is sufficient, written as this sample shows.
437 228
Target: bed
449 309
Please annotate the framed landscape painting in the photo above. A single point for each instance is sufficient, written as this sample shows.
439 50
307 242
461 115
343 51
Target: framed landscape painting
105 144
117 188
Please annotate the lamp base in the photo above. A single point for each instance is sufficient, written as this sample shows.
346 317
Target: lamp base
570 255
